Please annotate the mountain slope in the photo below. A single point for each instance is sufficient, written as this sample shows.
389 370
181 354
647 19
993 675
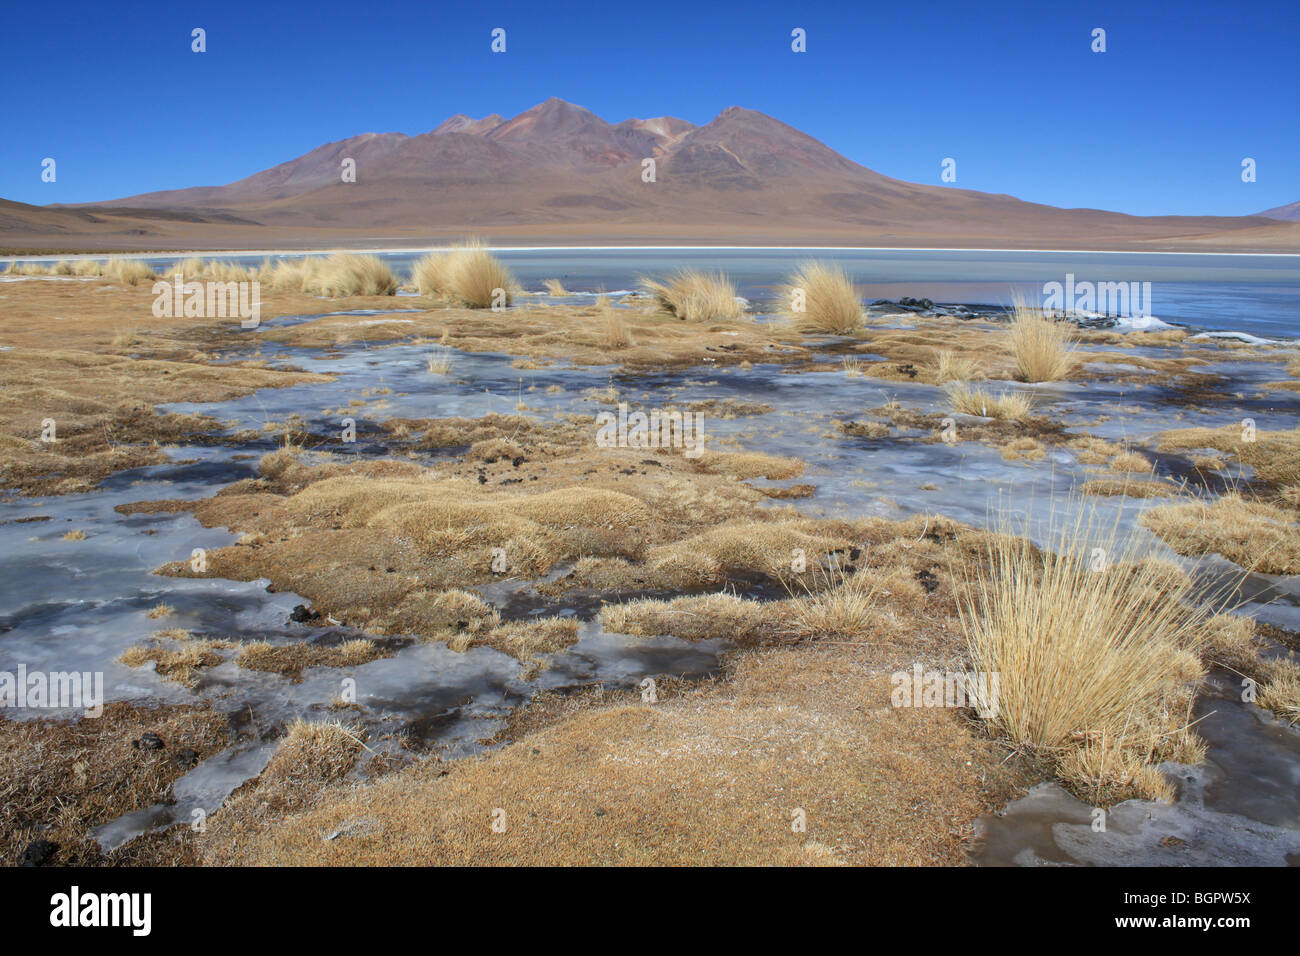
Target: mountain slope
559 170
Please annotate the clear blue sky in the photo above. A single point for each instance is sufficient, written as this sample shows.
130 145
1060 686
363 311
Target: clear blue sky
1159 124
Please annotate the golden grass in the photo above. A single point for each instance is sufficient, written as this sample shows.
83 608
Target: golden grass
1087 654
952 367
181 665
1251 534
128 271
317 750
467 275
346 273
820 297
973 400
555 287
614 329
161 610
694 618
1275 455
707 776
1040 346
696 296
77 535
1110 487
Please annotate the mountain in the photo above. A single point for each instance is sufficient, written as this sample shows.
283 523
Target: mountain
1287 213
559 173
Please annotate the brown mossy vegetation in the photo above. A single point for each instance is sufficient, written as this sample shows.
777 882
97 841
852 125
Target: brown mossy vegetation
1275 455
60 778
708 776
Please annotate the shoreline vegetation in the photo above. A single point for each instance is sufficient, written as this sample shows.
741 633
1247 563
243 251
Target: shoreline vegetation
1098 669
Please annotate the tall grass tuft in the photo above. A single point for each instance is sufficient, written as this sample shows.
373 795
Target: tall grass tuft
347 273
973 400
467 275
696 296
820 297
128 271
951 367
1041 346
1095 643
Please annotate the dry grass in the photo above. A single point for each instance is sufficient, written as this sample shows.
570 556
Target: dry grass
690 618
973 400
1040 346
316 751
951 367
128 271
346 274
1102 659
467 275
707 776
1275 455
75 535
615 331
290 660
555 287
61 778
696 296
829 301
1251 534
181 665
1109 487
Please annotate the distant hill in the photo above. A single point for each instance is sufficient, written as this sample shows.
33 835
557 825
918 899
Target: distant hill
1287 213
560 173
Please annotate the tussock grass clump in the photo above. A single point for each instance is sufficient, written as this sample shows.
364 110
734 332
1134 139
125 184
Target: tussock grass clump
180 665
1087 654
317 751
17 268
288 275
829 301
1041 347
951 367
1251 534
466 275
289 660
555 287
696 296
346 273
694 618
128 271
972 400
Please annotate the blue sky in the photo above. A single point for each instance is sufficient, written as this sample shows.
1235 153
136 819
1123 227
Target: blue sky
1158 124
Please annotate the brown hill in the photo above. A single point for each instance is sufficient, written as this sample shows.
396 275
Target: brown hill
559 173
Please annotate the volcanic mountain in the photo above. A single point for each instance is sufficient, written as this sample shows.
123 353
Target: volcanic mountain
560 173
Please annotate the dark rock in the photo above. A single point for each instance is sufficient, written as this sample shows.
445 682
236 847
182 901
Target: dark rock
148 741
186 757
39 852
305 615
